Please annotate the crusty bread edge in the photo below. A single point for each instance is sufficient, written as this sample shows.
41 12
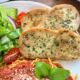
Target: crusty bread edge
71 7
51 31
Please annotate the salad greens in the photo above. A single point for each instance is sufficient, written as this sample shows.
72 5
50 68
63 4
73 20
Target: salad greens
3 31
14 34
8 35
12 12
43 70
4 39
6 46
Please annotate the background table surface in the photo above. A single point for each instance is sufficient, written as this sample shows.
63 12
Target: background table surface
52 3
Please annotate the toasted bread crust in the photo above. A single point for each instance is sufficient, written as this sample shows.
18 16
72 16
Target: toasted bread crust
71 49
59 14
31 14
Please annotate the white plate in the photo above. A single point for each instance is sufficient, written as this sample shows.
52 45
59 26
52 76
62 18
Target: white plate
24 5
3 1
73 66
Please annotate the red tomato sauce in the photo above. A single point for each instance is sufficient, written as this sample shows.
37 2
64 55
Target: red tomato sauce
22 71
69 78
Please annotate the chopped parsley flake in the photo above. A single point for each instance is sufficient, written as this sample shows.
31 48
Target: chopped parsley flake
68 10
44 44
53 24
50 22
33 49
56 43
51 52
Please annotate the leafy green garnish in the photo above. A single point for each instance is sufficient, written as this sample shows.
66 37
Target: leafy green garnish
58 74
43 70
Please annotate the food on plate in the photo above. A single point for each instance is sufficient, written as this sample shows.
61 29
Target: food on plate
42 43
41 38
12 55
39 69
62 16
18 20
10 31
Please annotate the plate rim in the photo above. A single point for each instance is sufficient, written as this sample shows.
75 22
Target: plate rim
6 2
31 2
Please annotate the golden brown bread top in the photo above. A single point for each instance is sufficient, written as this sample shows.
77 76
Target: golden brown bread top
42 43
62 16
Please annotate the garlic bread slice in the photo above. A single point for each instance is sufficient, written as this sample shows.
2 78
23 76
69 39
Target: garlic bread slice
62 16
42 43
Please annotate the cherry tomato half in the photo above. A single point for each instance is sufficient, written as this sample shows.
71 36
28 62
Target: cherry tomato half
12 55
18 20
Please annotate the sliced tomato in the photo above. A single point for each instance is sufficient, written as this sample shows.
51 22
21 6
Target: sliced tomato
18 20
12 55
